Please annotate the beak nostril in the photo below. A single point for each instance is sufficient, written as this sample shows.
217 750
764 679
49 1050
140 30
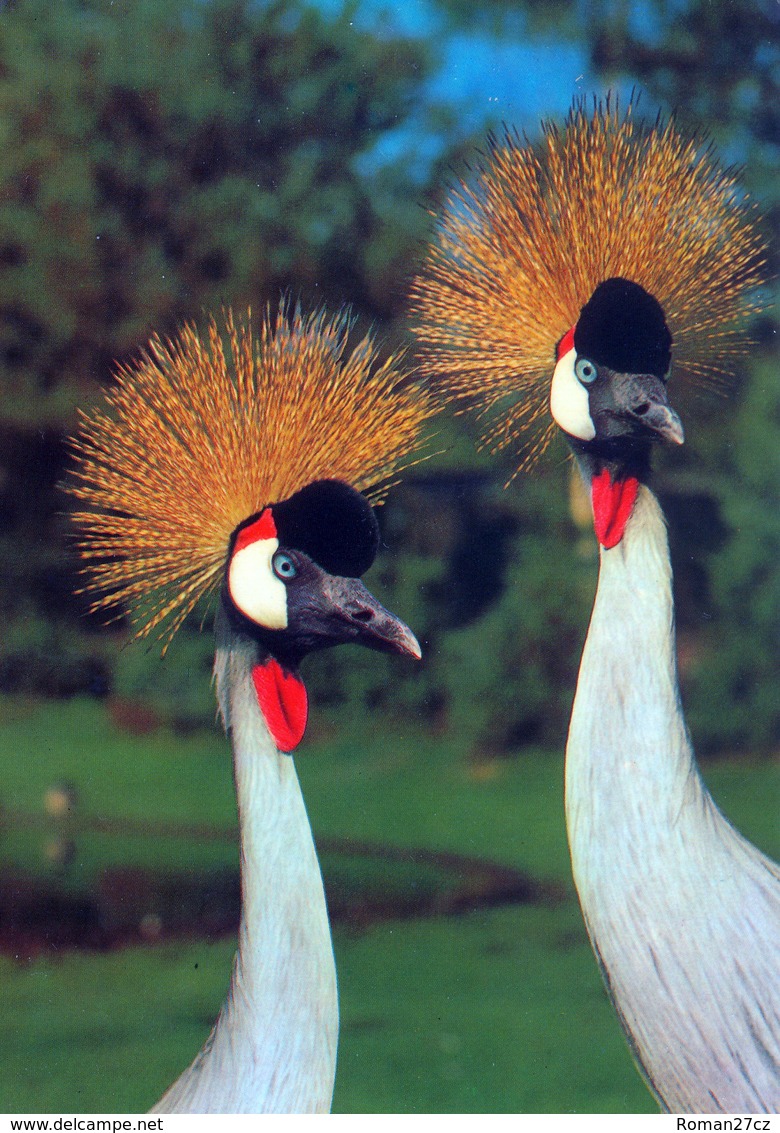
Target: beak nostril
641 410
363 615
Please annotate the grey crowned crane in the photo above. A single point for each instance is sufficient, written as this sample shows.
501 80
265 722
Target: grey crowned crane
572 275
234 465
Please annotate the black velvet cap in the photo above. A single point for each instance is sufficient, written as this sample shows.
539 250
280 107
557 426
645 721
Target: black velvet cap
622 326
331 523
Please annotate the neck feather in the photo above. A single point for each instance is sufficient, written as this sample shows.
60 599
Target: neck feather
628 676
683 913
273 1049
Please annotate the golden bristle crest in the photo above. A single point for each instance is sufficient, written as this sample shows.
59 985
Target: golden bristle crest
200 433
522 247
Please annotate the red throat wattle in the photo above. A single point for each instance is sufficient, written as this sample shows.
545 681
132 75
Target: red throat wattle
283 702
613 502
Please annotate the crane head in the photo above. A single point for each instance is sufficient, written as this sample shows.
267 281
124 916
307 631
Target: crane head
610 235
293 576
609 386
609 395
203 432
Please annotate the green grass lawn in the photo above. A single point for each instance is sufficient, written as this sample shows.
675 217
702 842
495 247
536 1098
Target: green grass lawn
494 1011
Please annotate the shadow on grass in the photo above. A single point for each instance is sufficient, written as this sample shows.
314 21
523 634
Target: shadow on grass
366 883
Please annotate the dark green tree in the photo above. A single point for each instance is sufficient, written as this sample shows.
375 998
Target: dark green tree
157 159
734 683
168 155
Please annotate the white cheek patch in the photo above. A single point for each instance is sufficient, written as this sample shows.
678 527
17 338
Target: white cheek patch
254 588
569 400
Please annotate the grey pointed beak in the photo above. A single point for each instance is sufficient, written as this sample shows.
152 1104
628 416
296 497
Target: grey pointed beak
358 616
665 423
642 401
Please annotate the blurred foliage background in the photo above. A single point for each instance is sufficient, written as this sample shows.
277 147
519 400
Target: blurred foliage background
159 158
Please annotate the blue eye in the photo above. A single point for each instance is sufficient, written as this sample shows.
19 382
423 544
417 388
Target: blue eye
585 371
283 566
